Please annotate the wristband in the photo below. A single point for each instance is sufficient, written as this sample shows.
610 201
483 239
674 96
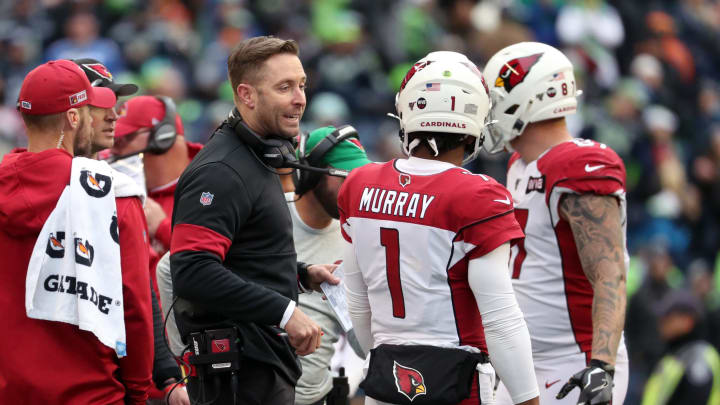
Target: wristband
609 368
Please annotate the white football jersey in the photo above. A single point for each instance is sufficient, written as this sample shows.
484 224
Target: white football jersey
549 282
414 234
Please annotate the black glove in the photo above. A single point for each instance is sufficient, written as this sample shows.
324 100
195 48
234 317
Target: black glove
595 383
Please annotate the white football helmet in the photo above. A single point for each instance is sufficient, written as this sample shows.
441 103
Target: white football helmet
529 82
444 92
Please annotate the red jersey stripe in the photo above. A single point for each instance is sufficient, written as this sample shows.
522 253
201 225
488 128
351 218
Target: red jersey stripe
578 291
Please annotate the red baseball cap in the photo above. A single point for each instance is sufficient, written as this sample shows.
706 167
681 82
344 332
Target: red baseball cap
58 86
142 112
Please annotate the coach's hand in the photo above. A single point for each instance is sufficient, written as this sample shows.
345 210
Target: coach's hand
303 332
595 383
317 273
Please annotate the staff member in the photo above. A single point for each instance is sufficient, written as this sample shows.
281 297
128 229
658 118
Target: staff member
43 361
232 255
166 372
316 232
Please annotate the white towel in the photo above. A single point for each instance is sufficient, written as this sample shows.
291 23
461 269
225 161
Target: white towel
74 273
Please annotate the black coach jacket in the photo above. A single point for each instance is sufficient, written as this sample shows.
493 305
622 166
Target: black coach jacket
232 257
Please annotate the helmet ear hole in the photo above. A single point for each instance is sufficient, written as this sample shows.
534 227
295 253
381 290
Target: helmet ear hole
511 110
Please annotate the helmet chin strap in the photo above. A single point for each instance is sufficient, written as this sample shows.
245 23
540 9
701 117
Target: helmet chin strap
433 145
413 144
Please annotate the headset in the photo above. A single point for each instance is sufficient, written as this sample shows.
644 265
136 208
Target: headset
275 152
163 134
306 180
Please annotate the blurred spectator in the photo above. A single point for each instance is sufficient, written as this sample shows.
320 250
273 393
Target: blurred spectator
702 285
590 20
706 173
641 332
328 109
667 200
82 41
689 373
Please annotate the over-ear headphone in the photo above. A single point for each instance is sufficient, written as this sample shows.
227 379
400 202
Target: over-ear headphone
306 180
163 134
275 152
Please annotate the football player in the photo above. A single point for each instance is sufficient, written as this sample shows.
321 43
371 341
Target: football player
569 194
426 258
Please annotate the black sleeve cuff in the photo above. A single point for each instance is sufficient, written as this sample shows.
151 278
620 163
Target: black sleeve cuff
160 375
303 277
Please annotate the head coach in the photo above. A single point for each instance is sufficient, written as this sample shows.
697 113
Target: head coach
233 261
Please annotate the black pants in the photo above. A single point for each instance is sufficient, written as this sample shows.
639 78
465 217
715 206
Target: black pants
258 384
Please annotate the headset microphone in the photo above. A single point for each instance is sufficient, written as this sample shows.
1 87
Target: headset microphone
324 170
114 158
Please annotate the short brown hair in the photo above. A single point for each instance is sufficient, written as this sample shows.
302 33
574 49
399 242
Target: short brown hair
45 122
247 57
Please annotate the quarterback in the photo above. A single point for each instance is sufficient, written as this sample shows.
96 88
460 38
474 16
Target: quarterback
426 259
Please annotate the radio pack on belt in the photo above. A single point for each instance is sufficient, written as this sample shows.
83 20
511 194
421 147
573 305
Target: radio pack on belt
215 351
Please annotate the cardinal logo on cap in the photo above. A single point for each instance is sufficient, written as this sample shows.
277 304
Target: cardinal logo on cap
78 97
100 69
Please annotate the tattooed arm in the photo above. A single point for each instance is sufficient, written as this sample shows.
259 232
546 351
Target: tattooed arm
596 226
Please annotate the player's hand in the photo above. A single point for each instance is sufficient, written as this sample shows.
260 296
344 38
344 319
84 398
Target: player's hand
317 273
154 214
304 334
595 383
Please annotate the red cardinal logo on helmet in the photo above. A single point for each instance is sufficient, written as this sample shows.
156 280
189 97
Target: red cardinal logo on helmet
409 381
514 71
416 68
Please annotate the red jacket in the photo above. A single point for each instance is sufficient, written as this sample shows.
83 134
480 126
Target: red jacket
44 362
165 196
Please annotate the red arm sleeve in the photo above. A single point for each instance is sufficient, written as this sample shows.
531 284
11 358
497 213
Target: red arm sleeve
136 367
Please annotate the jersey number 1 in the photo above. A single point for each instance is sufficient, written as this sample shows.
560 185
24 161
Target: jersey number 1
390 239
